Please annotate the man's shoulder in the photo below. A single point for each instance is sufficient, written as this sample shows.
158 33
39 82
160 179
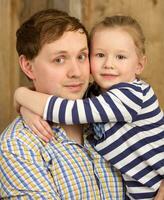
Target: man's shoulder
15 130
12 130
18 135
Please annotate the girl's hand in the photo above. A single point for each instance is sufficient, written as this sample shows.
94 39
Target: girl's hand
160 194
39 126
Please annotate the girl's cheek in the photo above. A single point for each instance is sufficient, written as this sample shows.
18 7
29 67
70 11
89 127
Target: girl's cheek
93 62
93 65
94 70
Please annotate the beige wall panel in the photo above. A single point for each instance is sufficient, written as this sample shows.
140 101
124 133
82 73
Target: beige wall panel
150 14
8 59
4 67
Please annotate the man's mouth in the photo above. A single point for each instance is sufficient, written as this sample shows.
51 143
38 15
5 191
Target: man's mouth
75 87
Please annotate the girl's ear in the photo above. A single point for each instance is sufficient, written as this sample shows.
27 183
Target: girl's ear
26 66
141 65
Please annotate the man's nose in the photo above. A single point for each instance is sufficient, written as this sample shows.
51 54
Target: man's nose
74 69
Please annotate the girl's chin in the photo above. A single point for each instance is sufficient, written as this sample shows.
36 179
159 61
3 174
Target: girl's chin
109 85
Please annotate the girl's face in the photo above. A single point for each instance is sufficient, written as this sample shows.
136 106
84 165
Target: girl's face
114 58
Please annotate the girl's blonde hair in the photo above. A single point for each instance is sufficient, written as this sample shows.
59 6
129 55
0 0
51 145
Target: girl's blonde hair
126 23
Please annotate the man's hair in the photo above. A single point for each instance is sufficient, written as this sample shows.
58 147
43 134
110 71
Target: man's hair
44 27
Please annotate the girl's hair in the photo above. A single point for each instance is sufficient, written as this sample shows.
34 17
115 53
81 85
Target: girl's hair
126 23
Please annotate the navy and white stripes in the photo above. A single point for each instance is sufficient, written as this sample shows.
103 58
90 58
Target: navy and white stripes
134 132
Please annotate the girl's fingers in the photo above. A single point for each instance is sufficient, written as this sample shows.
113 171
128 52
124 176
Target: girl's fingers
41 126
47 127
160 193
40 132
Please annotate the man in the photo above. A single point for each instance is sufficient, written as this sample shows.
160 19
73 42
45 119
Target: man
53 53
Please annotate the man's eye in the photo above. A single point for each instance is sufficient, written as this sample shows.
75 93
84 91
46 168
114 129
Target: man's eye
83 57
59 60
120 57
100 55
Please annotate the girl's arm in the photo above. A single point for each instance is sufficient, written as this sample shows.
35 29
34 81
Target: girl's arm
122 103
119 104
30 99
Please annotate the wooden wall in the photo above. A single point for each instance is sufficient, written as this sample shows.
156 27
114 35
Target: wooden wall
150 13
9 71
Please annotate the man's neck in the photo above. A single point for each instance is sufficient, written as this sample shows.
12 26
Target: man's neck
74 132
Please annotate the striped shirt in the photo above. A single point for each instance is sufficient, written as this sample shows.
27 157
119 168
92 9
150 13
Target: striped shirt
131 136
60 169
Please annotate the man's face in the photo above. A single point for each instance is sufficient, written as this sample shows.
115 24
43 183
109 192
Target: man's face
62 67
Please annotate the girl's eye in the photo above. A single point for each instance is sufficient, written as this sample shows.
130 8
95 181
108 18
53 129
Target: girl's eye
82 57
120 57
59 60
100 55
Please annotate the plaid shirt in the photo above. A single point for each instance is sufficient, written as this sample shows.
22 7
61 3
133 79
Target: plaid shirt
60 169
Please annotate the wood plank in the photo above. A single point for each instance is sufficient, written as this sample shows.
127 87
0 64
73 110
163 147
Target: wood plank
8 73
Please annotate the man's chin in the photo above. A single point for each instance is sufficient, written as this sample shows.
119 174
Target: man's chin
72 96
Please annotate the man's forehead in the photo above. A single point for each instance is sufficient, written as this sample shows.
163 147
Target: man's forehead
72 35
70 41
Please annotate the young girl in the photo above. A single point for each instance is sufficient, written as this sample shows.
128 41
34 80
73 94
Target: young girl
127 120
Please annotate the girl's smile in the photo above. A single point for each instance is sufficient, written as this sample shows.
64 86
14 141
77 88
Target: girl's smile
114 57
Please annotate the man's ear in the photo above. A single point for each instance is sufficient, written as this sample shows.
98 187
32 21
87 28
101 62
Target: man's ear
26 66
141 65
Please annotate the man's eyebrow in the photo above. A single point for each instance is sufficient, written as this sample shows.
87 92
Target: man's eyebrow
84 49
64 52
60 52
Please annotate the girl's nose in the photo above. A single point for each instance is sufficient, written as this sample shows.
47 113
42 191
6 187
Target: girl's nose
109 64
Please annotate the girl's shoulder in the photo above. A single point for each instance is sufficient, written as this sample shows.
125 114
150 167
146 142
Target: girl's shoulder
136 85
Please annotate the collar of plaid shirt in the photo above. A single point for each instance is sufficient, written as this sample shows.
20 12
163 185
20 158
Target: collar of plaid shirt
61 167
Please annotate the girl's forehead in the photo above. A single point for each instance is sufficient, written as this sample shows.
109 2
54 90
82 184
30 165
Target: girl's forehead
108 34
103 30
113 40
